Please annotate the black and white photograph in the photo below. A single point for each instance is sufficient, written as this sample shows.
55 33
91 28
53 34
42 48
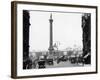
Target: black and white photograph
53 39
56 39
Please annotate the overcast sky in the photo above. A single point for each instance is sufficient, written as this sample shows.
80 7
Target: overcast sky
66 30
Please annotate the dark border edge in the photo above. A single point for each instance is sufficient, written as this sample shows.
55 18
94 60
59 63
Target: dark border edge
52 75
13 40
54 4
96 39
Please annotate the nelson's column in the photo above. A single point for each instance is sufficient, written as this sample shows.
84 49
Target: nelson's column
51 36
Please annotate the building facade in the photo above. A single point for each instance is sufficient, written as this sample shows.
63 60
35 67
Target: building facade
86 27
26 25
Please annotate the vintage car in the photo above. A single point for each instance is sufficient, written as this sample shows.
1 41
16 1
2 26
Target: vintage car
49 61
41 62
73 59
80 59
77 59
62 58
